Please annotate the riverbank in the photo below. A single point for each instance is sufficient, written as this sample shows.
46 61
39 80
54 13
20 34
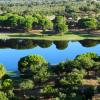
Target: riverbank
67 36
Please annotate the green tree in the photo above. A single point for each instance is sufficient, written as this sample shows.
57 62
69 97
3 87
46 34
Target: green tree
61 28
3 96
70 82
60 25
12 21
3 21
90 55
27 23
2 71
88 23
26 84
48 89
7 84
86 63
34 65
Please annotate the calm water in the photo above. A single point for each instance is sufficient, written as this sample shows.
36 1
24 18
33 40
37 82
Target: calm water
53 51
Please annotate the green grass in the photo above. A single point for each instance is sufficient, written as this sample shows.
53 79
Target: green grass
67 36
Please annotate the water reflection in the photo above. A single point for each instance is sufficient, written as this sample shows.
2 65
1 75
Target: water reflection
11 50
89 43
28 43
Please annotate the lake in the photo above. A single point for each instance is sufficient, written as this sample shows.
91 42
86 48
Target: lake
11 50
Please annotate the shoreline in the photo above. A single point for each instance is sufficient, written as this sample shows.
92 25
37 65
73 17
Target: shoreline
66 36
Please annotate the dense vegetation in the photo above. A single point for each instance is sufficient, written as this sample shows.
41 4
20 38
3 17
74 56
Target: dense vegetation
27 15
64 81
50 7
59 24
37 79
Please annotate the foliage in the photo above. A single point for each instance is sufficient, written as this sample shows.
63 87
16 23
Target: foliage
26 84
2 71
60 25
3 96
72 79
48 90
86 63
34 65
12 21
90 55
87 23
30 63
7 84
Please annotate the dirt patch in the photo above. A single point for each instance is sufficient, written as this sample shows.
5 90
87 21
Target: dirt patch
90 82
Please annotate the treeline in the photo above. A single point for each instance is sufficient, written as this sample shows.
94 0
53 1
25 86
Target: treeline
59 24
27 23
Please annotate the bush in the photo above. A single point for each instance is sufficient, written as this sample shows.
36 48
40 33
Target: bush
34 65
48 90
89 55
26 84
10 94
7 84
2 71
60 25
3 96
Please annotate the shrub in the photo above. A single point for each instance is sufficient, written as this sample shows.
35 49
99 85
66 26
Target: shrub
7 84
2 71
26 84
3 96
34 65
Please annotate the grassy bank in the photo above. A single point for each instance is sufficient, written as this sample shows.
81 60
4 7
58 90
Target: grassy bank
67 36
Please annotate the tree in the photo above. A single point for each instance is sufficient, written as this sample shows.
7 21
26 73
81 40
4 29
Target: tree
3 21
20 22
48 89
70 82
34 65
61 28
12 21
26 84
45 23
86 63
3 96
89 55
88 23
59 19
27 23
73 78
7 84
2 71
60 25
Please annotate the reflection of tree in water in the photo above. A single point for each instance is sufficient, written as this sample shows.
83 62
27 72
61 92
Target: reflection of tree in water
61 45
89 42
44 43
17 44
